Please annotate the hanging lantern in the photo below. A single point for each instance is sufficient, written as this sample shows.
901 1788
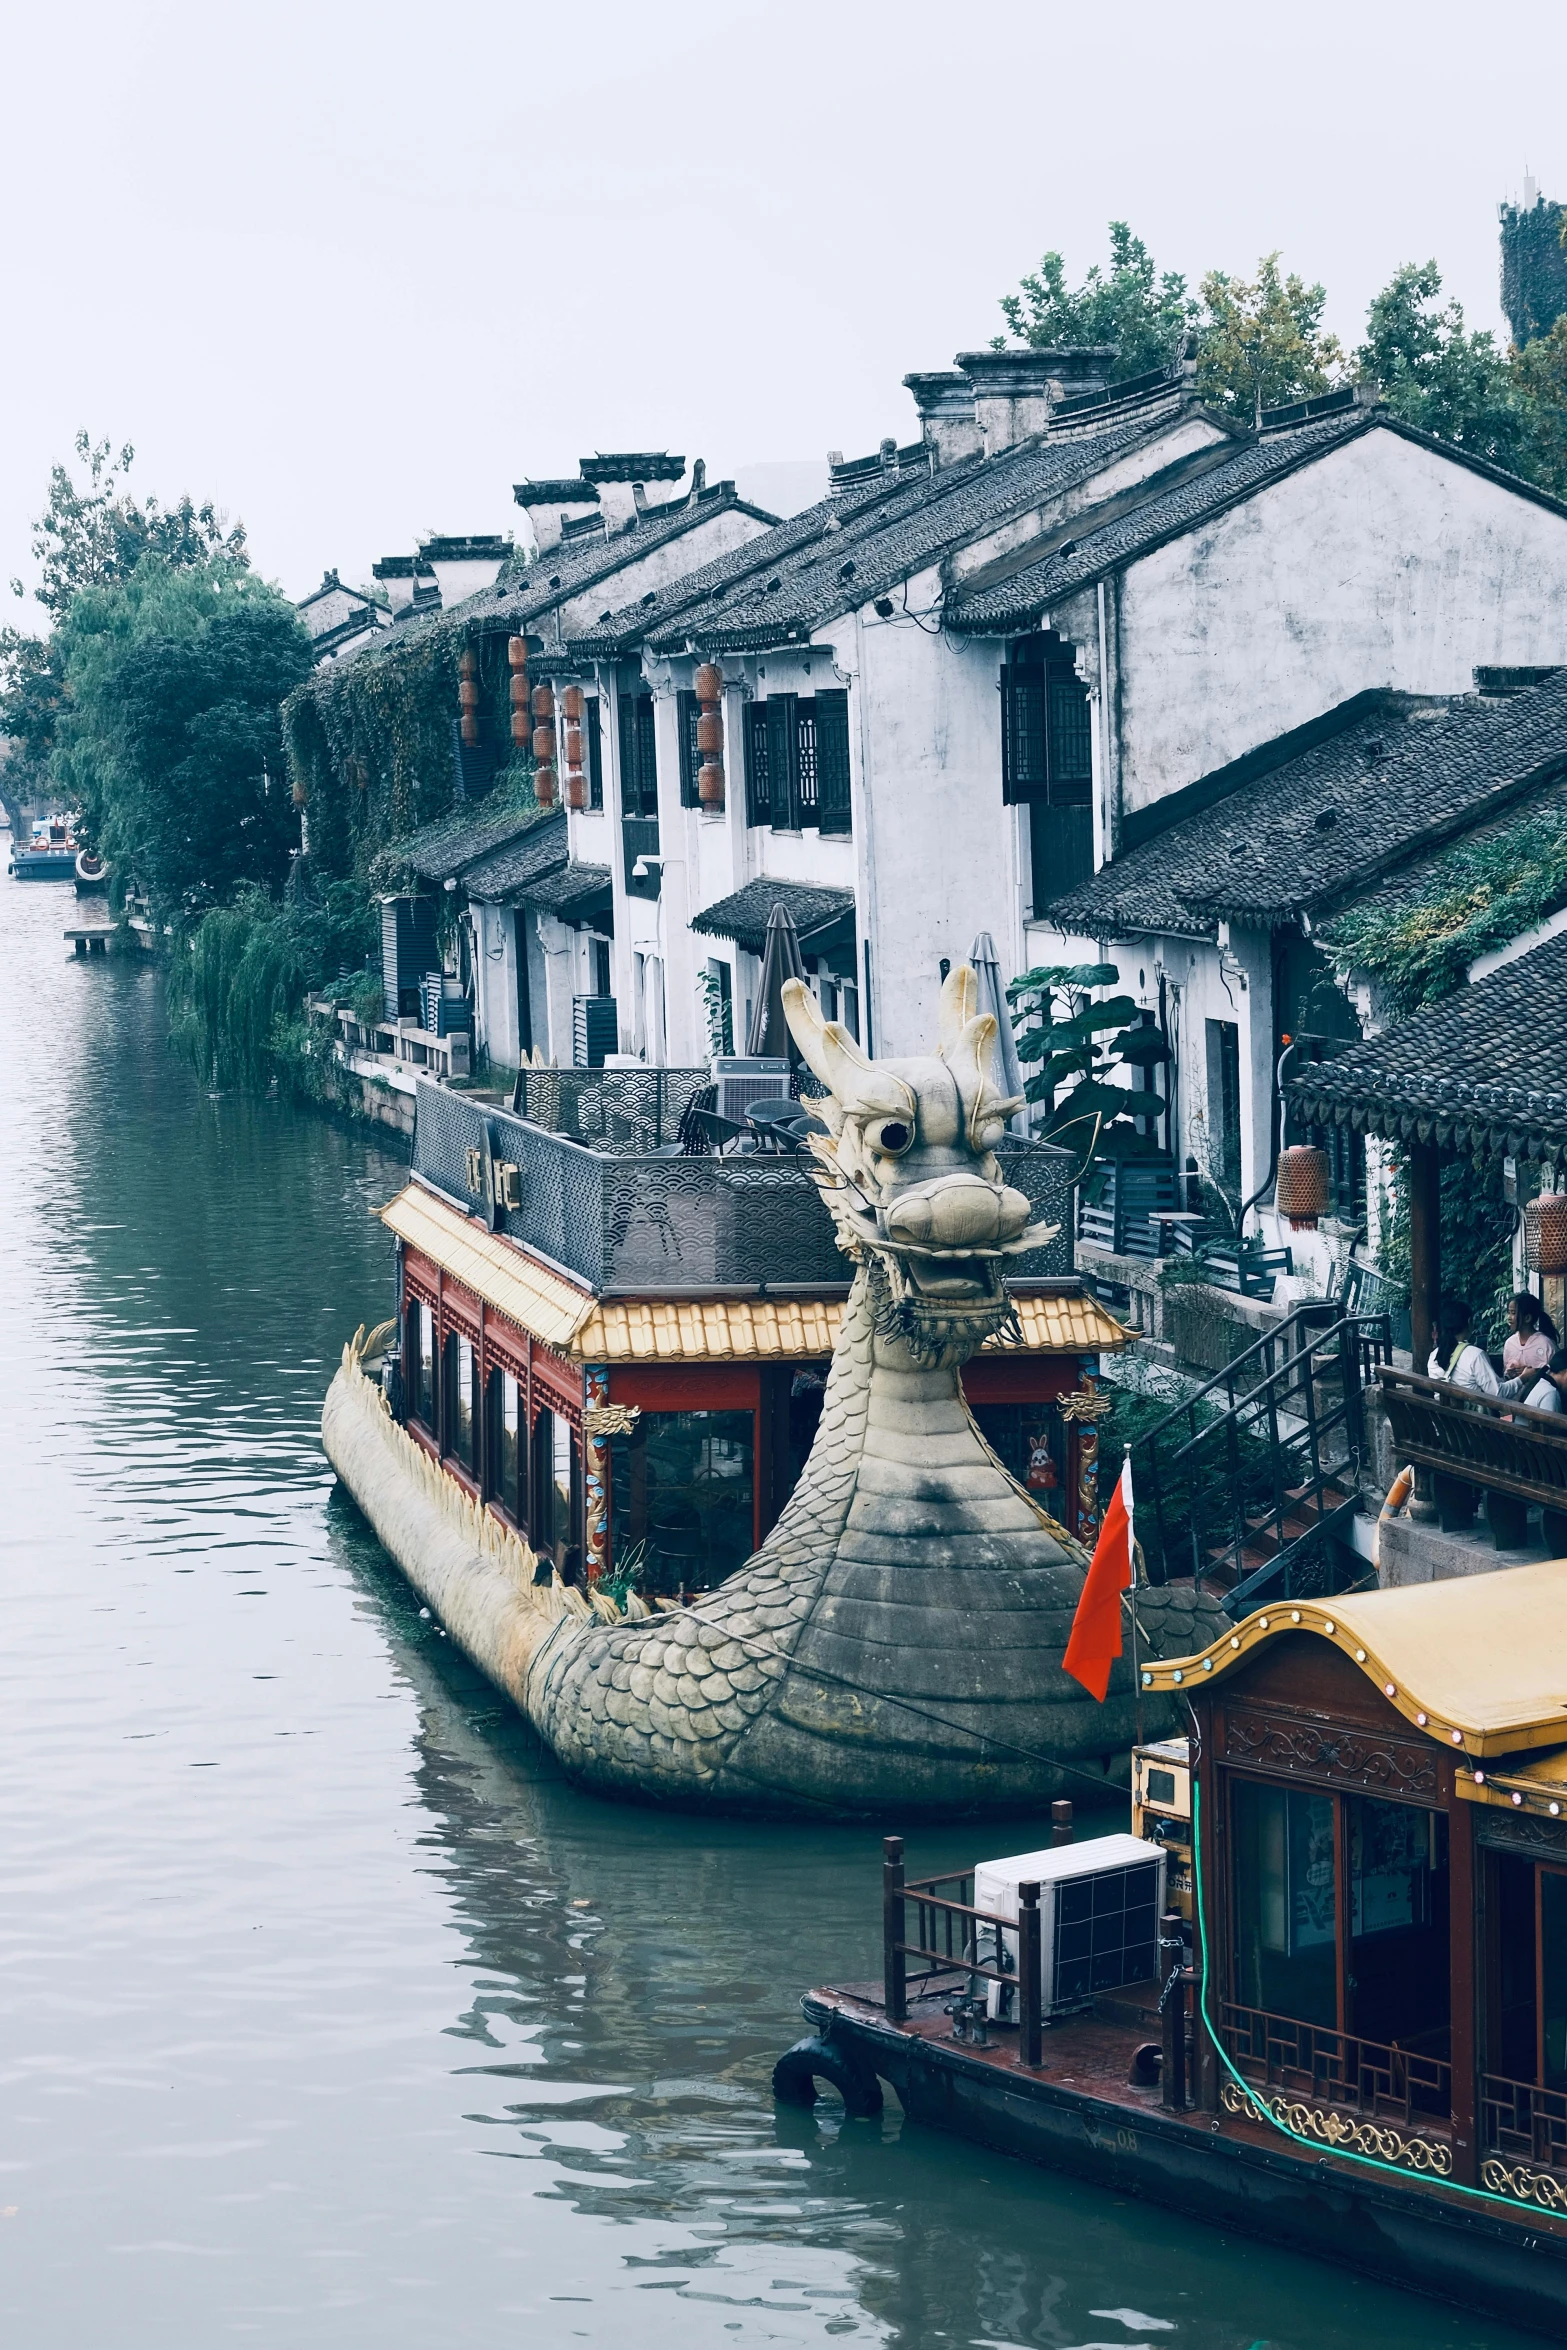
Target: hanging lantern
544 744
468 697
519 690
521 729
571 703
709 734
709 682
544 786
517 651
1545 1233
572 744
1302 1190
576 788
709 685
543 702
710 784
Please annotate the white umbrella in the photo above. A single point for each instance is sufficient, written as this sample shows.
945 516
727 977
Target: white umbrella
992 998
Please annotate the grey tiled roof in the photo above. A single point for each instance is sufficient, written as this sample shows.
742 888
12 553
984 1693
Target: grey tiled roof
441 850
1484 1069
571 889
505 873
878 543
1402 777
743 917
1013 604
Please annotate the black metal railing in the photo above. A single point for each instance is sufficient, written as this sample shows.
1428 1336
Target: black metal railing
625 1110
957 1945
628 1215
1523 2121
1382 2080
1238 1484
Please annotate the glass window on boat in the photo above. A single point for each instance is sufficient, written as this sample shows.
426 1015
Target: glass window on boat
1030 1441
461 1417
682 1489
419 1356
504 1452
555 1518
1286 1910
1527 2026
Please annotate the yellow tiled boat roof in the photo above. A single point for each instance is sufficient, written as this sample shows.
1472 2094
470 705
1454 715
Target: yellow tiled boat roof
706 1330
1478 1664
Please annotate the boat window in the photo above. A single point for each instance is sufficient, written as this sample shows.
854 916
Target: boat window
1397 1985
419 1355
682 1487
1553 1978
1286 1911
555 1524
508 1447
461 1374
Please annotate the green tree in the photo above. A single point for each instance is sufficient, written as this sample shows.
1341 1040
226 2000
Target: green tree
1144 314
1065 1037
170 742
1539 375
1435 374
1262 341
89 536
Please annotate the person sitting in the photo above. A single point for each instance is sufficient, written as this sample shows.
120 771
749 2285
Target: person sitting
1531 1336
1546 1395
1455 1357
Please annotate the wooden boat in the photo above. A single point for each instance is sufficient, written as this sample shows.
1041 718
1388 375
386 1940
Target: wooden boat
1354 2040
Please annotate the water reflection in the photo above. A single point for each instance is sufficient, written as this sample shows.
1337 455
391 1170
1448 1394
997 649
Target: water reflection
328 2013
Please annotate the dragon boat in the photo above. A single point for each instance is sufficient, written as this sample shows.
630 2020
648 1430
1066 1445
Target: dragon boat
895 1640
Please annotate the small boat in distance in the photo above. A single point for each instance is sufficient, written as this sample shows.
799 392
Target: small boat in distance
48 855
92 874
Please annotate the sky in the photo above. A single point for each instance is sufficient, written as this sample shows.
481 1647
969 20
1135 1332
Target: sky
353 270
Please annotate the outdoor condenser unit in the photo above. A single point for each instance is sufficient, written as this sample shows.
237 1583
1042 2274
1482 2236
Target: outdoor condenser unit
743 1079
1099 1908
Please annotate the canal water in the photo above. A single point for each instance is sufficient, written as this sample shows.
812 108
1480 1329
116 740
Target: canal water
329 2014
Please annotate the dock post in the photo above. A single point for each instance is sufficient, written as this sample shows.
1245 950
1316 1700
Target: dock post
1030 1987
1061 1820
894 1976
1172 2011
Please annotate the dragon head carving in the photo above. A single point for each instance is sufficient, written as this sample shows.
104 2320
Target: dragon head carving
910 1147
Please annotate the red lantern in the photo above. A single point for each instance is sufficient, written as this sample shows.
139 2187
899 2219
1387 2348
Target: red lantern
544 786
467 666
467 695
544 744
576 789
710 785
1301 1192
521 732
573 746
543 702
519 689
571 703
709 734
709 682
517 651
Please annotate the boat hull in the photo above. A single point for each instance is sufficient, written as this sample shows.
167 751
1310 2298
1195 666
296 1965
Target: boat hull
1423 2237
43 864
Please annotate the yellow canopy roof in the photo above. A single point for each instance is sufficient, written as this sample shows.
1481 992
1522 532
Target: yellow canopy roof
1479 1663
709 1330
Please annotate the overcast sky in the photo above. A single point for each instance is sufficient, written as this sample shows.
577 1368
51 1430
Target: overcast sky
352 270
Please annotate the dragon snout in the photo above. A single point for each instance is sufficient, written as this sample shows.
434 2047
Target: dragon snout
957 1211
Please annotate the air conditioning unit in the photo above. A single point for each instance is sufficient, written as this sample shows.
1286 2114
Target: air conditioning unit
742 1081
1099 1909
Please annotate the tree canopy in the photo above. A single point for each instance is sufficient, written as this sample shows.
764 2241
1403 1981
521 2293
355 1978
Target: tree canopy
169 739
1144 313
1262 341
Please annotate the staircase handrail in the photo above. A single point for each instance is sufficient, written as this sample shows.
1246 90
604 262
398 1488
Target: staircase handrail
1301 1315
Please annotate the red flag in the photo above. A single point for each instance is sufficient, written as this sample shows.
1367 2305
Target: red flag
1096 1627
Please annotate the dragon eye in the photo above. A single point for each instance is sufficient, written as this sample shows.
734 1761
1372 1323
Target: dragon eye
892 1136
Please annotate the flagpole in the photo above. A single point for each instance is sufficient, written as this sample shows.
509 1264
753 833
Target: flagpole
1137 1661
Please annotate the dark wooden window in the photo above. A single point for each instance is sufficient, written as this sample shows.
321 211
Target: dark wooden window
797 762
1224 1106
688 711
1047 761
638 757
683 1489
595 744
419 1364
758 789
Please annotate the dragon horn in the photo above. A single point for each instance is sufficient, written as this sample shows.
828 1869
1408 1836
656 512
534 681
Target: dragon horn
830 1053
959 1003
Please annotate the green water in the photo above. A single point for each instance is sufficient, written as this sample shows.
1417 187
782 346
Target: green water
328 2014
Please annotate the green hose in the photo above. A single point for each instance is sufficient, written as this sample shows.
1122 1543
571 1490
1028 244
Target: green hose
1366 2161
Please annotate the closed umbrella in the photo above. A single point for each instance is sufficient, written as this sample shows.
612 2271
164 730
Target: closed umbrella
992 999
768 1036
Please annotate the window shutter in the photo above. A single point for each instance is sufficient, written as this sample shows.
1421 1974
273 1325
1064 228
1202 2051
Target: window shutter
647 756
1008 789
626 732
758 798
688 708
1023 772
590 727
832 762
1069 741
783 759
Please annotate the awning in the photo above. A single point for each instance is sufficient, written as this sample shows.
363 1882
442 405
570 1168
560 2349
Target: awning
1478 1664
511 872
576 893
743 917
696 1330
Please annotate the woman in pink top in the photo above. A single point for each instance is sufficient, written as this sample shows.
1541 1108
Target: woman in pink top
1531 1336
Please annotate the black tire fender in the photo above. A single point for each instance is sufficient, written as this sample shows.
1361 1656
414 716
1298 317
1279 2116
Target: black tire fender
814 2059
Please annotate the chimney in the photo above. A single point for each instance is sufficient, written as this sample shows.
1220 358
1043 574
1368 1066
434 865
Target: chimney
950 426
396 574
548 503
1015 391
621 475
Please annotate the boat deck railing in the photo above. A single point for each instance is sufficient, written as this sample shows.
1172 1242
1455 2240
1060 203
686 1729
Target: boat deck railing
1383 2081
1523 2121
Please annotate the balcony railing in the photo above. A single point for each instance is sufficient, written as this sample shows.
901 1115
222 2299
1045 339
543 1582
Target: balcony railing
1503 1447
1383 2082
1523 2121
630 1216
